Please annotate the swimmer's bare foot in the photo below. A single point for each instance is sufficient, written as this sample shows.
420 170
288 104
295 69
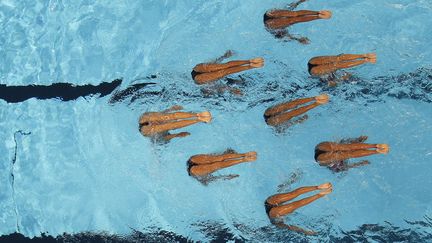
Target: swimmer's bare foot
324 186
204 116
250 156
371 57
322 99
326 191
324 14
256 62
382 148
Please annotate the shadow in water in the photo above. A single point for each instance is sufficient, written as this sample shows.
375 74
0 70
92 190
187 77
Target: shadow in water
62 91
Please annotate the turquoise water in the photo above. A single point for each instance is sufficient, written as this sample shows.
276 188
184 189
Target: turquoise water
83 165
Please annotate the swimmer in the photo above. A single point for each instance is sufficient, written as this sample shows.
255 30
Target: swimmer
276 209
325 67
276 20
284 112
158 124
334 155
205 73
202 165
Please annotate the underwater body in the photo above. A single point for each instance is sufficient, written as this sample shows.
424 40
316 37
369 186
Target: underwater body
78 164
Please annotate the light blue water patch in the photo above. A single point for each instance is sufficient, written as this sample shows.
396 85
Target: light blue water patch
85 166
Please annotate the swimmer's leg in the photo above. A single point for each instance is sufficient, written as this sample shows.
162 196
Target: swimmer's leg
161 117
159 128
331 146
347 64
212 67
203 78
278 199
288 13
277 109
281 118
327 158
205 169
282 210
208 159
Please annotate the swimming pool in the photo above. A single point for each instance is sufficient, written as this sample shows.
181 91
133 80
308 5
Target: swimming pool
82 166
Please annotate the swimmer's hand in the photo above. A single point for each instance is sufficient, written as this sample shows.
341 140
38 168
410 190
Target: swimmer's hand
304 40
204 116
322 99
182 134
176 108
383 148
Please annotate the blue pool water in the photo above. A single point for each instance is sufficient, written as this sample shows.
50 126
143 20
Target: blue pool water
82 166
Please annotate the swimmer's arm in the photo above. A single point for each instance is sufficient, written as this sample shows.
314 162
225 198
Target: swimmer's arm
286 36
174 108
360 139
299 120
330 80
282 225
206 180
176 135
357 164
294 5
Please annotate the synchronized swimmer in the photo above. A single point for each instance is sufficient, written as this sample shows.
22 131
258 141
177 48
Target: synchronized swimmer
282 113
158 124
276 209
205 73
201 166
325 67
277 20
334 155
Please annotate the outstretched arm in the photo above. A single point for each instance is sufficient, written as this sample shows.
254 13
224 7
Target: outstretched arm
294 5
357 164
360 139
282 225
207 179
176 135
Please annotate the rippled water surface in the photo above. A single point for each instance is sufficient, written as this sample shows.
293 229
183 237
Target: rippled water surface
82 166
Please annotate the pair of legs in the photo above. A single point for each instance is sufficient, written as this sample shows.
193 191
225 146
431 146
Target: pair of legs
329 153
279 114
159 123
323 65
207 72
202 165
276 208
278 18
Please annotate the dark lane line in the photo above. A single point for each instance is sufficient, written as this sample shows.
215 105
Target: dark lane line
62 91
